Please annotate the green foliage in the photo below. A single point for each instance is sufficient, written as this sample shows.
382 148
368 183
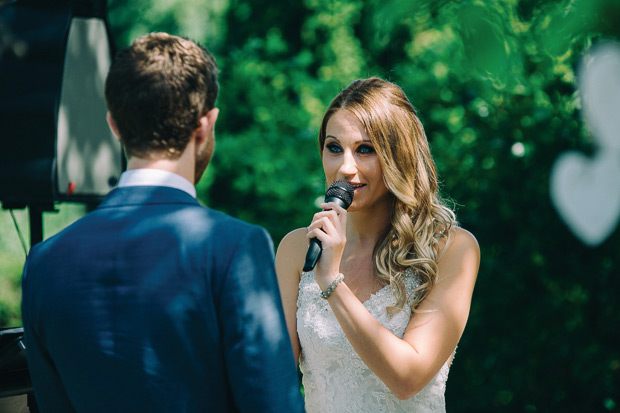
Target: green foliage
13 253
494 84
196 19
12 257
10 298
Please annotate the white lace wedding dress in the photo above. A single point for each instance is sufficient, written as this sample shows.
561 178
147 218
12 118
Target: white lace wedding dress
335 379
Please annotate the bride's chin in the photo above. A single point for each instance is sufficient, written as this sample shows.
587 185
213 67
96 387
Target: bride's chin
355 206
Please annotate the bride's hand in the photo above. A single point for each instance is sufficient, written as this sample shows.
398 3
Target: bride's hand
329 226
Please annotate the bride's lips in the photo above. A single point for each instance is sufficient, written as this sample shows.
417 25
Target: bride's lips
356 187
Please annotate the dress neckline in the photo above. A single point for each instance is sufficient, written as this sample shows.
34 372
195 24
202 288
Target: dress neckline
372 295
376 293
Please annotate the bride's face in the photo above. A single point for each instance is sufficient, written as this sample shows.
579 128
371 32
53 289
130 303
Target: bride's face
349 155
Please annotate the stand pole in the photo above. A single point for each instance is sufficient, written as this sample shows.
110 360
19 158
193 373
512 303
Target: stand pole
35 214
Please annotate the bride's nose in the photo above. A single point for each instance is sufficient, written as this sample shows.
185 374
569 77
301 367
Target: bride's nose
348 166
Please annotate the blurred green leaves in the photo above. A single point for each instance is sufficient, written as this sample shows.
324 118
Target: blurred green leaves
196 19
494 83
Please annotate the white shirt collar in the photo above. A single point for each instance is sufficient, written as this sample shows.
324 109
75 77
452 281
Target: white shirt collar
156 177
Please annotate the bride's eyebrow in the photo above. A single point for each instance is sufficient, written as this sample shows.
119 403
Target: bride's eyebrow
356 142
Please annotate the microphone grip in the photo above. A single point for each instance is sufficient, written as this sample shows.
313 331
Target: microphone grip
313 254
315 248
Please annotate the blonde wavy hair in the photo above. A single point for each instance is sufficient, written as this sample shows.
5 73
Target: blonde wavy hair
418 218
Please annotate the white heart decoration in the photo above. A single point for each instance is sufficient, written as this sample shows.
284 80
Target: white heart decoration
586 193
599 85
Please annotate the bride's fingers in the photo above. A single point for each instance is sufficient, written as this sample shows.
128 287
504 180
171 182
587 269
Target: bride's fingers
332 206
332 215
318 222
328 213
318 234
323 229
328 226
338 212
324 225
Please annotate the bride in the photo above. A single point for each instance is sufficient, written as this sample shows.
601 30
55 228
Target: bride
375 325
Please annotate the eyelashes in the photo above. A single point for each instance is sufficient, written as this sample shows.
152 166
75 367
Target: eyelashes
333 148
363 149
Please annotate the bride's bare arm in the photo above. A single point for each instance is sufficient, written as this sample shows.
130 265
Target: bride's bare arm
405 365
289 260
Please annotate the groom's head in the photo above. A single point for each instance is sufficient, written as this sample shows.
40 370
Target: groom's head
157 90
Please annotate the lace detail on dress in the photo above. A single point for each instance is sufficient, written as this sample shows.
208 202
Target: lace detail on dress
335 379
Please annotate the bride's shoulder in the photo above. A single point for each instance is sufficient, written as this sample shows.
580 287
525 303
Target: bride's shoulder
462 239
294 239
291 252
460 256
457 238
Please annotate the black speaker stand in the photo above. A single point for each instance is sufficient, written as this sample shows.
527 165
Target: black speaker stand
35 216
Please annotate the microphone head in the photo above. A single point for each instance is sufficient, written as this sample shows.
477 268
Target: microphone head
341 190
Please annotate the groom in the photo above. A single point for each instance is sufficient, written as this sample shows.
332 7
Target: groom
153 303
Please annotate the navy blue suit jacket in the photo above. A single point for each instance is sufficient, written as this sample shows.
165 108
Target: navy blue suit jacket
153 303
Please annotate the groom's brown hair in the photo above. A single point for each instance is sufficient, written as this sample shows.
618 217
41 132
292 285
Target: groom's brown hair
156 91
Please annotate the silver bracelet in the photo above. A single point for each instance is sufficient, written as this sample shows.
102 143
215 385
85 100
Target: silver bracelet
330 289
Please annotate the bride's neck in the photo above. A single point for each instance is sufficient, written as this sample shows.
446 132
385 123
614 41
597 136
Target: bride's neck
367 226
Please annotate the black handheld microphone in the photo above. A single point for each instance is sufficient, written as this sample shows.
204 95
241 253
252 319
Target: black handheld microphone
341 193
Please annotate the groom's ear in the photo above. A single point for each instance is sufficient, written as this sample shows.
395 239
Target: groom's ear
113 125
206 124
212 116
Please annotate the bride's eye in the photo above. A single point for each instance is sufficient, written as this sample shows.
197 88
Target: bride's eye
366 149
333 148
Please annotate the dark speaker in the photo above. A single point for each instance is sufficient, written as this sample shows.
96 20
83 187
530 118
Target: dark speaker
14 374
55 144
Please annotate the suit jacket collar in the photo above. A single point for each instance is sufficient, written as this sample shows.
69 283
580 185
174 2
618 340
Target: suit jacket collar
142 195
